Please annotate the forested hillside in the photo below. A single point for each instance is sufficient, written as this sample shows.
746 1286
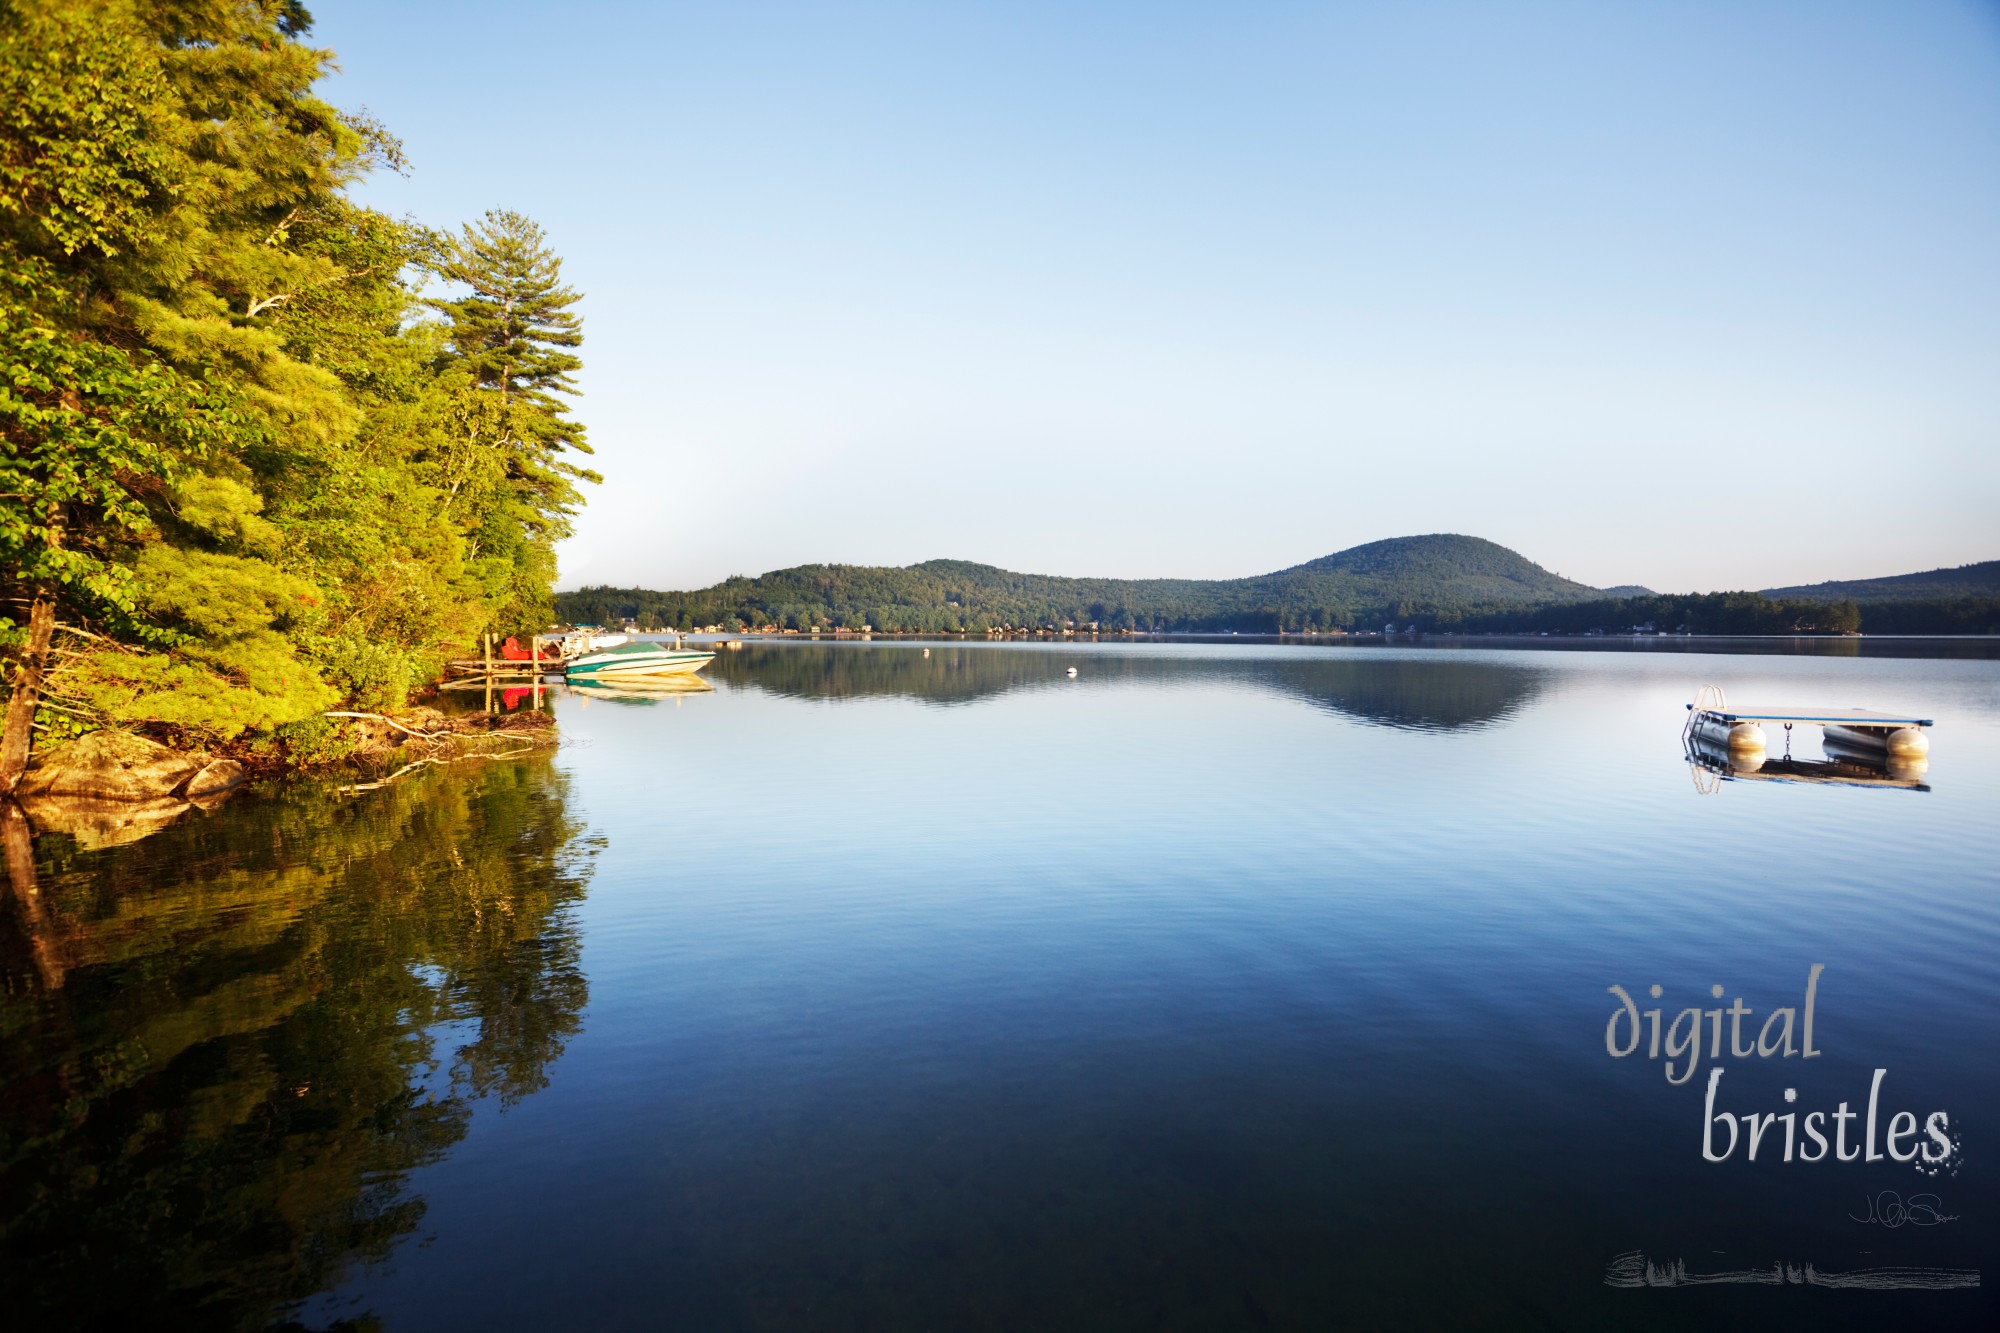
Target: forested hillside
1440 577
1980 580
1438 583
248 472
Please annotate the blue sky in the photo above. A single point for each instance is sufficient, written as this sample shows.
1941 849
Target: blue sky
1690 295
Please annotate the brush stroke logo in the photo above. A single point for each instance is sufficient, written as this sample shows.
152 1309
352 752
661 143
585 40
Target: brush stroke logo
1634 1269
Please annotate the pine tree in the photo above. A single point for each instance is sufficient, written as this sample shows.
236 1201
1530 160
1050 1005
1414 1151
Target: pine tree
511 337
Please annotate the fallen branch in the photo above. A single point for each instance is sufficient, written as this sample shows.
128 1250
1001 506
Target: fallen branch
407 731
427 762
383 782
440 742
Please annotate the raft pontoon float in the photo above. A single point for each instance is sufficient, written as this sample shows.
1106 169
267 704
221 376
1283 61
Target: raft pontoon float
1888 735
1863 747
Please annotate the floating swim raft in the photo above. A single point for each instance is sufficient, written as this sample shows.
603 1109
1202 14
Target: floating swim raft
1897 735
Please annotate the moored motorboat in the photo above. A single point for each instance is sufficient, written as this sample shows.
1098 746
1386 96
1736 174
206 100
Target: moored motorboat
636 659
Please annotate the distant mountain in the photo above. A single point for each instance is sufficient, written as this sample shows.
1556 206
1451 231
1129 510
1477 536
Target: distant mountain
1441 577
1980 580
1438 582
1440 567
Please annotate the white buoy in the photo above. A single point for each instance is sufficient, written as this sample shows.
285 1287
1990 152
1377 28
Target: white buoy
927 652
1072 671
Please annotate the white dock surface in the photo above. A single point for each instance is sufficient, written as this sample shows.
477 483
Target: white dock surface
1851 717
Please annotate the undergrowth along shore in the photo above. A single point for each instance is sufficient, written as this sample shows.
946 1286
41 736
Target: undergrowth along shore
367 741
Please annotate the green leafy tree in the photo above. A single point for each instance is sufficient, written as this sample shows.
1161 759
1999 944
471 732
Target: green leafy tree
99 158
89 431
234 466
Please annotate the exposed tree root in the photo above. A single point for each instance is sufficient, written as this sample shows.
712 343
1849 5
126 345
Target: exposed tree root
441 746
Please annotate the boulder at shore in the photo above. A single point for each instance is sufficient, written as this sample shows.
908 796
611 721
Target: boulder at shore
224 775
110 766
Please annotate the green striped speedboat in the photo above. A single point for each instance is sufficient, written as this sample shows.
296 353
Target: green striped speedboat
635 659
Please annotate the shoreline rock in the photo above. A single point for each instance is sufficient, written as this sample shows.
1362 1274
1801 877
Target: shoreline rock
216 779
108 766
110 787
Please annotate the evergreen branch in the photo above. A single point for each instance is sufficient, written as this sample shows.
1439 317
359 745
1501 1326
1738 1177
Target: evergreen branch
278 232
259 307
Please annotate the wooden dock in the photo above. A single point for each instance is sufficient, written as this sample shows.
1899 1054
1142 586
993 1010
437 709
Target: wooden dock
490 664
491 671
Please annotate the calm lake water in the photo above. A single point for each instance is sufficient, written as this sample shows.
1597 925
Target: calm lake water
1215 987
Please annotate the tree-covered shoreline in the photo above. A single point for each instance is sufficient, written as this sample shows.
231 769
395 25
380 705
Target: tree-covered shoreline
264 451
1439 584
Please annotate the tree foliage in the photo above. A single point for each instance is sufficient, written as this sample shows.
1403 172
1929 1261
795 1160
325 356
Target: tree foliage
507 355
235 450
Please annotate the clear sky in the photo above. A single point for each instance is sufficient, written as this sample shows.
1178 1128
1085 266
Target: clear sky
1689 295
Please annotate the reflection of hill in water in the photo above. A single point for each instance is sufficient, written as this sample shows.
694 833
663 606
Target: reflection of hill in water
224 1043
1418 694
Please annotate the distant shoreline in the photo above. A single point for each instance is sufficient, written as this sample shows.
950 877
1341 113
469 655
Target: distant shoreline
1979 646
768 634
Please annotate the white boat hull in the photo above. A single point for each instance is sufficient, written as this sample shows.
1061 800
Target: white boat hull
666 661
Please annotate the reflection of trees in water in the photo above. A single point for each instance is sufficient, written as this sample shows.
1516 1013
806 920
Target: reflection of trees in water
215 1095
1426 694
